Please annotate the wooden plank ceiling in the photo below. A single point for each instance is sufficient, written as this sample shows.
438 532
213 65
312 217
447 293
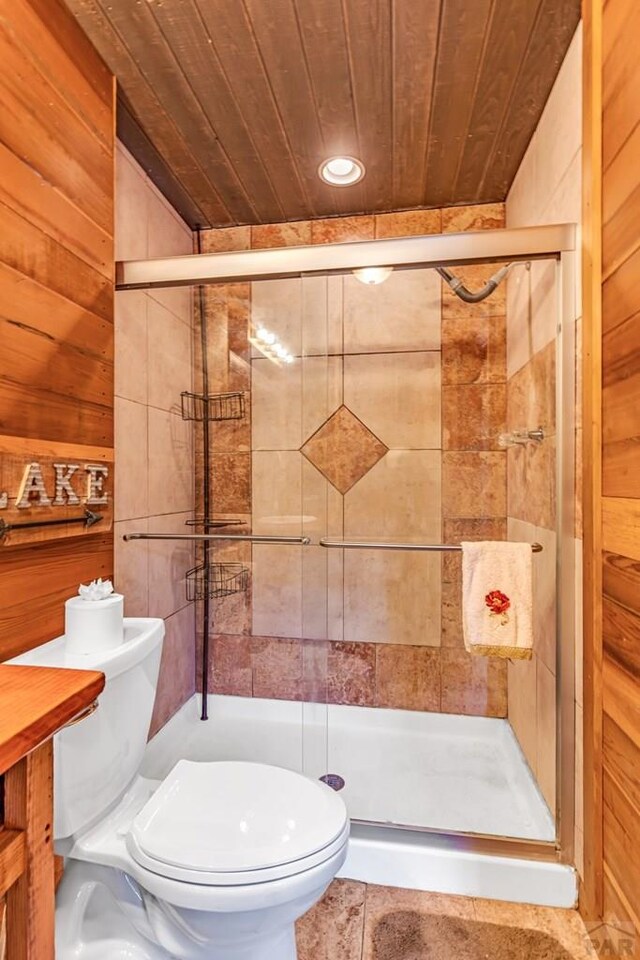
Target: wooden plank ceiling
232 104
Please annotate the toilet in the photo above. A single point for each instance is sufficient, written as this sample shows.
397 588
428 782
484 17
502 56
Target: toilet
216 861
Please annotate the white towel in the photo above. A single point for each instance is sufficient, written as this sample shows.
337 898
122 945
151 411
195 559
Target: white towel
497 599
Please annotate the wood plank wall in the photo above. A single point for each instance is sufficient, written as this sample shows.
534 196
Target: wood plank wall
591 887
56 295
613 661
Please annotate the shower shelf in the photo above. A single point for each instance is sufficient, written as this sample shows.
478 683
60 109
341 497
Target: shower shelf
223 580
215 406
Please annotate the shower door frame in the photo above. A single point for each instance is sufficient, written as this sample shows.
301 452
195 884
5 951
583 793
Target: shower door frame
556 242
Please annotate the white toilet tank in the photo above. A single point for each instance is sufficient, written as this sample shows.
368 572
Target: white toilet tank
96 760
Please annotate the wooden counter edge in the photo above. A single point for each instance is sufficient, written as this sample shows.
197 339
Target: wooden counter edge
36 702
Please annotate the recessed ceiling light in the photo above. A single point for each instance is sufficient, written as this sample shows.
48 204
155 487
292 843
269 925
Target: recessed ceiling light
341 171
373 275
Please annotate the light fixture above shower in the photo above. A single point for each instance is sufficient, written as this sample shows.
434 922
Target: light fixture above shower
373 275
341 171
269 346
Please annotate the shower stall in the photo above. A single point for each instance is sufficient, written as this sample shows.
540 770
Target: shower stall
353 425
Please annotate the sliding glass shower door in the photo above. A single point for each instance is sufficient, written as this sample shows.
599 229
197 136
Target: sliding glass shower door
382 421
438 426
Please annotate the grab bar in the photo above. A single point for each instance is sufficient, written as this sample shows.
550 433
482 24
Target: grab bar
425 547
250 538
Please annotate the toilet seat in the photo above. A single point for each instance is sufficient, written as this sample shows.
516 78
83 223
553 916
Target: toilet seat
232 823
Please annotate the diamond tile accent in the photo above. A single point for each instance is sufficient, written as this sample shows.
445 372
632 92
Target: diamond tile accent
343 449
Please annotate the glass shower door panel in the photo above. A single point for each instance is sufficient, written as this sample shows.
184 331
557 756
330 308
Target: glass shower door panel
388 444
534 348
321 374
289 376
424 733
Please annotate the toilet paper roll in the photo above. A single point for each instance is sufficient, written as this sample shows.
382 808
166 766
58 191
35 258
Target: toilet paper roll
94 625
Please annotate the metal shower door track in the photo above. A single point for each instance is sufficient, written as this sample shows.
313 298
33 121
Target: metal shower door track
522 243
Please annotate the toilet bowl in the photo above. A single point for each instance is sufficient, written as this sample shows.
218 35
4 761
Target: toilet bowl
216 861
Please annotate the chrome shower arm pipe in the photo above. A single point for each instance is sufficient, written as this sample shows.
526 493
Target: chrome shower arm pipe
246 537
467 295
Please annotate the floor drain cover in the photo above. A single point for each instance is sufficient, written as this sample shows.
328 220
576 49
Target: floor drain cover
333 780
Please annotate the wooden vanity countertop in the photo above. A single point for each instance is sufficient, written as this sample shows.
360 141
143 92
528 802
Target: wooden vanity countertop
35 702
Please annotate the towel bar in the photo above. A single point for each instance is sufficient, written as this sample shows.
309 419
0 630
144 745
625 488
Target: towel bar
248 537
305 541
426 547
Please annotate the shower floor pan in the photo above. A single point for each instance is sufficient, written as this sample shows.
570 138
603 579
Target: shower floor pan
419 770
453 773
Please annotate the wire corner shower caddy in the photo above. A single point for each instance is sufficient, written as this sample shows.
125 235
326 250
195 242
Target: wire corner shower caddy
213 406
216 581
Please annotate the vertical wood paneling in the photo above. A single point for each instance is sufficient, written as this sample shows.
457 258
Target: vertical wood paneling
56 298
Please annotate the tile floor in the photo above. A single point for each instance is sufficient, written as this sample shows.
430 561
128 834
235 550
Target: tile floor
356 921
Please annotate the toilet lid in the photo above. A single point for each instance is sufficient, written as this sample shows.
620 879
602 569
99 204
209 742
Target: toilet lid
214 820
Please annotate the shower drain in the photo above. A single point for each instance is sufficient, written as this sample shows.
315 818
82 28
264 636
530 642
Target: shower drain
333 780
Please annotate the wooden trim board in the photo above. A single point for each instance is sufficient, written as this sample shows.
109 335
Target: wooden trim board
591 887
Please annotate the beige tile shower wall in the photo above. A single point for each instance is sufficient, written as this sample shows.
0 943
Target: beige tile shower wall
394 387
355 435
154 448
547 189
474 465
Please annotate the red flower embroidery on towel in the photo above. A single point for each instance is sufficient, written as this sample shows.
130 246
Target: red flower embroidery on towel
498 603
